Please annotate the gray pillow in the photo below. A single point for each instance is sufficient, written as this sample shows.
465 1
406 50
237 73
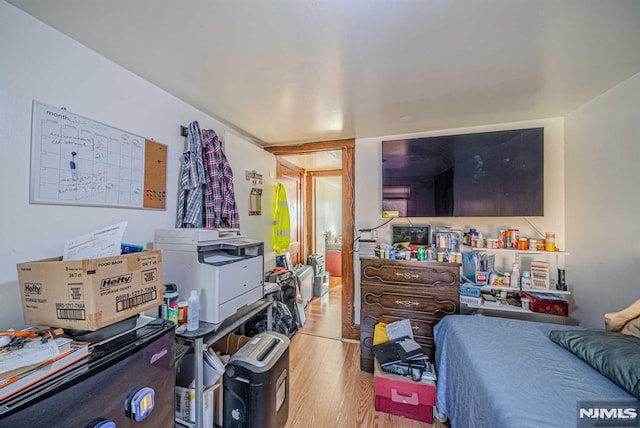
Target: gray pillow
615 355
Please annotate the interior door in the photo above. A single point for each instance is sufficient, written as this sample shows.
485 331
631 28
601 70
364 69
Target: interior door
292 178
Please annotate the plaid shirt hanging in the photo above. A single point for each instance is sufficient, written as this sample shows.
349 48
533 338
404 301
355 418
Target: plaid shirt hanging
220 208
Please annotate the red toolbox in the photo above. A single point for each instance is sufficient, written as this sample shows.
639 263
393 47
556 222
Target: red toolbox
547 303
401 396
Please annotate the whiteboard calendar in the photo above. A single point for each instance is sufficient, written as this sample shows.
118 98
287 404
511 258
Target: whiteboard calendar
78 161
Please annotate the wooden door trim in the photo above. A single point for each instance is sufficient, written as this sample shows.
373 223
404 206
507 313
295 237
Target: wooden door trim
350 330
299 149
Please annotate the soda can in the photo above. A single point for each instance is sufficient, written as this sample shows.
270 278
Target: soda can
422 253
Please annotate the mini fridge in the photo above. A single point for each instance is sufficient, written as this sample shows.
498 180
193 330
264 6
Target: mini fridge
127 381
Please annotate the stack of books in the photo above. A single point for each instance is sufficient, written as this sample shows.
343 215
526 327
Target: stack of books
404 356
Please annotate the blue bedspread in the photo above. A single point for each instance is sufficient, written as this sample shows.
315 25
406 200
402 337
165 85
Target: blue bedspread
496 372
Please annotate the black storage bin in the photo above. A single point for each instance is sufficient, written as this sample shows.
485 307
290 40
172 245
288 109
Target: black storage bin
256 383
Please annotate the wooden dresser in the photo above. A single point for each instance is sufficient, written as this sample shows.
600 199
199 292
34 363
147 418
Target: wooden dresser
391 290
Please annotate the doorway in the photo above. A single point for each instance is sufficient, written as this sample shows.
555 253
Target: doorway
349 330
323 208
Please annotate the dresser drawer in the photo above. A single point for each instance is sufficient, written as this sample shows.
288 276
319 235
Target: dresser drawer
379 301
390 272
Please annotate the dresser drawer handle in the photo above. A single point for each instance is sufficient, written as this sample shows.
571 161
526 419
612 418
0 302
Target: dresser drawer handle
406 303
407 275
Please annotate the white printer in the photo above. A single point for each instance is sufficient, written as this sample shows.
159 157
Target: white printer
226 269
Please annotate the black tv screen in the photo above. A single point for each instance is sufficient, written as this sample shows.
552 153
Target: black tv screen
488 174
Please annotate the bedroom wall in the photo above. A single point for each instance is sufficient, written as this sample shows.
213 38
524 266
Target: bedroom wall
602 173
39 63
328 206
368 190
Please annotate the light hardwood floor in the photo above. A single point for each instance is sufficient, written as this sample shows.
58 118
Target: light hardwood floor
323 313
326 386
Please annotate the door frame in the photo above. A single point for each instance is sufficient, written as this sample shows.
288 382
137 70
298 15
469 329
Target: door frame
350 330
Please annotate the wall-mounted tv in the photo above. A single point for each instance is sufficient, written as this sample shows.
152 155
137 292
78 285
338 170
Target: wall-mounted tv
488 174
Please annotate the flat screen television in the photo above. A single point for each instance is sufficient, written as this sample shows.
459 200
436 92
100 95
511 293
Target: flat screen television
487 174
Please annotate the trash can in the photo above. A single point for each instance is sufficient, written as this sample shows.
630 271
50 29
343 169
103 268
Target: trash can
256 383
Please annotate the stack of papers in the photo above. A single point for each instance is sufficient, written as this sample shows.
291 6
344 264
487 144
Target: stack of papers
99 243
14 381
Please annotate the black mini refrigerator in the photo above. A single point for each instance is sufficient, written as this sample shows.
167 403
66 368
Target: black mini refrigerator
127 381
256 383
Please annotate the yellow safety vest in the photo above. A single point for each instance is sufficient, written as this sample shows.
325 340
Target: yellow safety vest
281 221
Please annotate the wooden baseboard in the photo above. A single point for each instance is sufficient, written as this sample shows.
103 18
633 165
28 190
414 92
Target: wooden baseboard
352 332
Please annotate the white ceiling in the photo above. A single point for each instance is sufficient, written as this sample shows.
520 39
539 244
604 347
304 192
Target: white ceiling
286 71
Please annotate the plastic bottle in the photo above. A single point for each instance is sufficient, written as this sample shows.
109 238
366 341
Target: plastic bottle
193 313
515 275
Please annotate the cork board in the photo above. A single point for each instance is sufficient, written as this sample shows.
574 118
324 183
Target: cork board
155 175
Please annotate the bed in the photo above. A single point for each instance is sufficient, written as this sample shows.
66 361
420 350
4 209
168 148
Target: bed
497 372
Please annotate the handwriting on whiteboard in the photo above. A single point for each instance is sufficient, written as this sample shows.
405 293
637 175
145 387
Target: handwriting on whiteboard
79 161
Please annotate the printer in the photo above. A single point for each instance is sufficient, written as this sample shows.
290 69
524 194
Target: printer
226 269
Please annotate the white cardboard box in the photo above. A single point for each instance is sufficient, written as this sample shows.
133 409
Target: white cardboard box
212 409
90 294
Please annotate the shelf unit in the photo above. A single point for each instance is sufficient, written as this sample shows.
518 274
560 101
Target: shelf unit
206 335
513 312
499 307
518 254
515 289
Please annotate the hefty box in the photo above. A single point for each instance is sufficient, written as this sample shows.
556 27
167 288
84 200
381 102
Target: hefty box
401 396
90 294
